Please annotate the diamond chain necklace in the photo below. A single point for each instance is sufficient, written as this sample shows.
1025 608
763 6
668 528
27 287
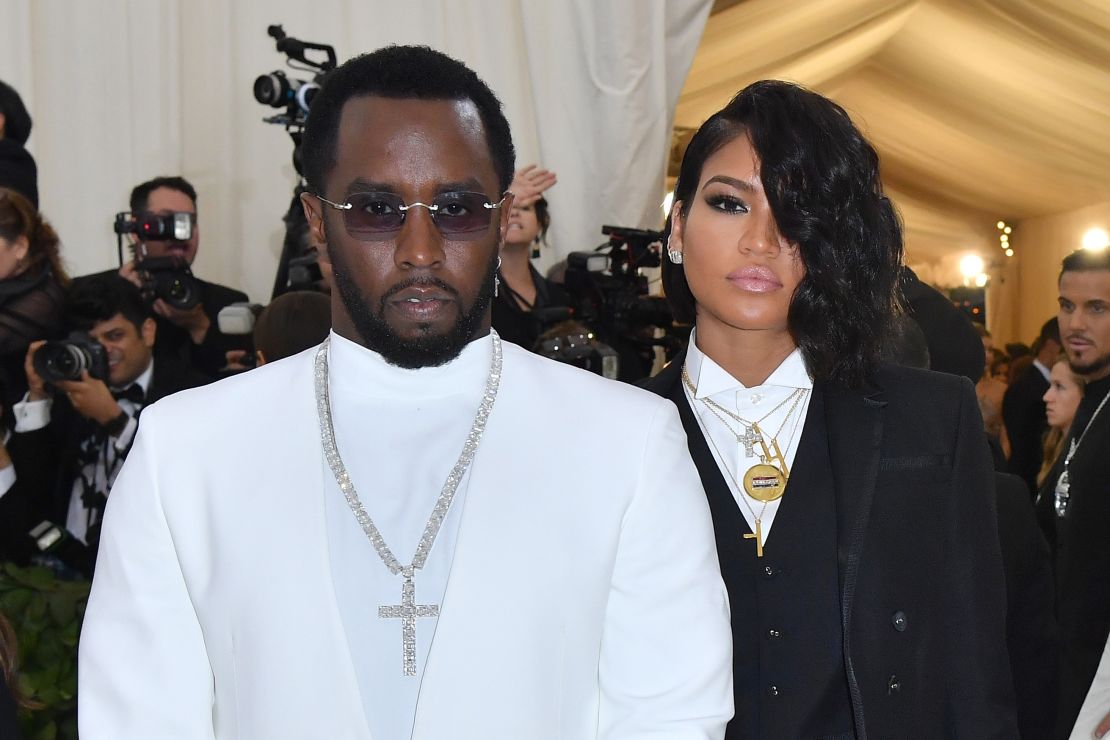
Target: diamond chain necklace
408 610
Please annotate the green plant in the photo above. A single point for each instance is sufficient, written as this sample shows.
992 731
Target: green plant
46 613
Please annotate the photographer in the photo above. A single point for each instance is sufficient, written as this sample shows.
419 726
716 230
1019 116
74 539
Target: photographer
71 435
190 334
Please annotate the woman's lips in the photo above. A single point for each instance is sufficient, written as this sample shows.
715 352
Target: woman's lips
755 279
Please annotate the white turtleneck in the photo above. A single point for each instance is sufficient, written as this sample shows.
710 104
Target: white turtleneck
399 433
715 383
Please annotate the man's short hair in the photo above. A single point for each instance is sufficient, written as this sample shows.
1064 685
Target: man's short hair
17 121
100 298
292 322
401 72
1084 260
140 196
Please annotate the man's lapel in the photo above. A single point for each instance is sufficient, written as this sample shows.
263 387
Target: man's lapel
854 419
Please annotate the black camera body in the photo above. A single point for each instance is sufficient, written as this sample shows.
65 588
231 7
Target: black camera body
67 359
170 279
610 295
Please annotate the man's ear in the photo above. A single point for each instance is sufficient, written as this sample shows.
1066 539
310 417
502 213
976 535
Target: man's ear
504 213
148 331
314 213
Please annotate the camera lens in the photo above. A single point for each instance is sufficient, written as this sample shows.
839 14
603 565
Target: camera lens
271 89
56 361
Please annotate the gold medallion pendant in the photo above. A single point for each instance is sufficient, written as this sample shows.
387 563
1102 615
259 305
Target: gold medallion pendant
764 482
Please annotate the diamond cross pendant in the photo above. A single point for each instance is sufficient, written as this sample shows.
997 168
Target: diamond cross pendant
408 611
750 438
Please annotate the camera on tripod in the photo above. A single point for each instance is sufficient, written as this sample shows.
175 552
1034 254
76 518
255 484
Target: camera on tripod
610 295
168 278
298 266
69 358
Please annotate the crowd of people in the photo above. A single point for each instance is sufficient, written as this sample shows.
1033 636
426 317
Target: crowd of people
839 512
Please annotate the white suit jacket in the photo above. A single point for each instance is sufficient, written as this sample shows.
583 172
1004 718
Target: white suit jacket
584 601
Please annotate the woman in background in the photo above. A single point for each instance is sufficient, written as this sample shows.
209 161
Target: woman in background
32 283
1065 391
519 314
852 502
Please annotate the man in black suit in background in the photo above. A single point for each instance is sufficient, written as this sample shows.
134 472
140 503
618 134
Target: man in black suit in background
1074 504
192 335
1023 407
71 437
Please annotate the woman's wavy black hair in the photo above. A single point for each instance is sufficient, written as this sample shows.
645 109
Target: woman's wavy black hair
822 183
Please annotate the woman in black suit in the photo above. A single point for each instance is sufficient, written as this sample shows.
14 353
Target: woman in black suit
852 501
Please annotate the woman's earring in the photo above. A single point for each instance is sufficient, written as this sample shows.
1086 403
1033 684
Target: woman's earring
674 256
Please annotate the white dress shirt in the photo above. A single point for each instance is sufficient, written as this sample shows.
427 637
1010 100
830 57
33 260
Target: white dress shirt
34 415
715 384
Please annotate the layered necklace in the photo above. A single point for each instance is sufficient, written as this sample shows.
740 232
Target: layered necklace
766 480
408 611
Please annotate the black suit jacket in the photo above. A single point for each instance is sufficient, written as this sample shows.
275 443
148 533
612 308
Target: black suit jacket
916 539
47 461
210 356
1023 411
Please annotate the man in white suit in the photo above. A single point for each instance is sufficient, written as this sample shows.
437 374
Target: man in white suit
413 530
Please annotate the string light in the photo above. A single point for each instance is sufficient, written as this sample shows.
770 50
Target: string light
1004 231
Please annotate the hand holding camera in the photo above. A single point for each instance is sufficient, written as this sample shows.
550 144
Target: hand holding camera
78 367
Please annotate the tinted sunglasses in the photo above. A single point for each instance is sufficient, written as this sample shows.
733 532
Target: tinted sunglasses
376 216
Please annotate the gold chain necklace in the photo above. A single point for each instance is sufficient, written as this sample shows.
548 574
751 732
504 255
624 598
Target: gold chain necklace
764 481
758 534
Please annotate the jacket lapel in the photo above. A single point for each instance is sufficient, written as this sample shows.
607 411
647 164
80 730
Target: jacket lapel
854 419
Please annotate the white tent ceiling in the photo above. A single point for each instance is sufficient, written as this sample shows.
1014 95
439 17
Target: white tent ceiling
980 109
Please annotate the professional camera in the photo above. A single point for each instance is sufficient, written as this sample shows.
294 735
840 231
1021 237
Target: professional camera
298 268
66 359
610 295
278 90
168 278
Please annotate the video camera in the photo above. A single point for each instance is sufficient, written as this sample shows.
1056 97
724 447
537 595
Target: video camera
168 278
278 90
610 294
68 358
298 267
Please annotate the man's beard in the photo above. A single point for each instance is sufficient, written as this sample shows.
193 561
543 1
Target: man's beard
427 350
1092 367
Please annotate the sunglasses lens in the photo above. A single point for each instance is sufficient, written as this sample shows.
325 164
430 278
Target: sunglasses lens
462 213
373 215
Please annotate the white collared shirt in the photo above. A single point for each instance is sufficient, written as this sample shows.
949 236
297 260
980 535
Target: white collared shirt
715 383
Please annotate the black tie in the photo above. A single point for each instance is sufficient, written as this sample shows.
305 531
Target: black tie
132 393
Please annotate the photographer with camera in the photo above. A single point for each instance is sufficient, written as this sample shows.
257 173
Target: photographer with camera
76 423
164 233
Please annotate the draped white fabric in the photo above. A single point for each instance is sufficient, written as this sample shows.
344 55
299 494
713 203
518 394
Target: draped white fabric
123 90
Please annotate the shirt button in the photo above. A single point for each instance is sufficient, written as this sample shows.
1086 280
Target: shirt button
773 690
894 685
756 398
769 571
898 619
774 634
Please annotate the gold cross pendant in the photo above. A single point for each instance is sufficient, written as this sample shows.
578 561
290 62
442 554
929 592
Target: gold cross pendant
758 537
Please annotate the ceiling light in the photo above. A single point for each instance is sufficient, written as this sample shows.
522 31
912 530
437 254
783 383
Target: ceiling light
1096 239
971 265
